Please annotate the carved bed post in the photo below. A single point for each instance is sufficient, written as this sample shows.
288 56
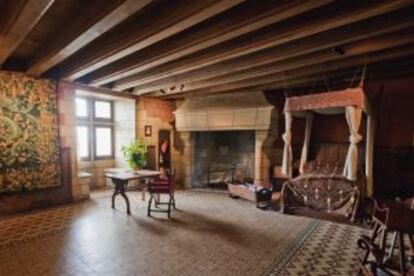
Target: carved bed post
305 147
287 150
369 154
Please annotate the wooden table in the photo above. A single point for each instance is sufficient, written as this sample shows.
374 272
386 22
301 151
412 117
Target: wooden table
121 181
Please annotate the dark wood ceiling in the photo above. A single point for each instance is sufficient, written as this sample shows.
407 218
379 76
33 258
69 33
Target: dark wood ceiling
178 48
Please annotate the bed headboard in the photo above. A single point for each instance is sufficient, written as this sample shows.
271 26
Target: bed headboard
333 153
326 157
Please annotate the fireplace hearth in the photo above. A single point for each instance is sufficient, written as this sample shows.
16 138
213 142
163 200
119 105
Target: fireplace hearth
222 157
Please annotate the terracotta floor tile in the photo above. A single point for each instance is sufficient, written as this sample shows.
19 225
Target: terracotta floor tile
210 234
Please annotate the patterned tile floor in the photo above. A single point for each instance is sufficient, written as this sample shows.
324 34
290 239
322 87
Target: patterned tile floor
210 234
328 250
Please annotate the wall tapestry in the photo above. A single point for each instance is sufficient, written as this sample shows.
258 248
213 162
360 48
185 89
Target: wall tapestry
29 139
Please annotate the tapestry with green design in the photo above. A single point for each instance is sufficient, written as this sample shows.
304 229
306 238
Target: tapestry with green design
29 139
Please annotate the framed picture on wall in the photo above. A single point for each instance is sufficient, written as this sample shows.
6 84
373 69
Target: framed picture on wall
164 149
148 131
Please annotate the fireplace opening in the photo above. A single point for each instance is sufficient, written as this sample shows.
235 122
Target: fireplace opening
222 157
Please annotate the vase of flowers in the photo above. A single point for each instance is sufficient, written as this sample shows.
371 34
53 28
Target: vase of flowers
136 154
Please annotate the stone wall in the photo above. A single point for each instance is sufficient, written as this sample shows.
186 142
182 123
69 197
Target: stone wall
125 128
158 114
97 171
67 129
154 113
124 133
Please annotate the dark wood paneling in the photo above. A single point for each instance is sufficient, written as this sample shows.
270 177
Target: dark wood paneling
394 136
151 157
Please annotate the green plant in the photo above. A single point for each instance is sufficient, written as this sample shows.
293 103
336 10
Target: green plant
136 153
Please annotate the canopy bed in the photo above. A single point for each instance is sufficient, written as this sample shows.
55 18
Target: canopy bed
331 188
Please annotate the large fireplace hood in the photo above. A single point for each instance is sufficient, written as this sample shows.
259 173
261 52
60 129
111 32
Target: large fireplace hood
246 111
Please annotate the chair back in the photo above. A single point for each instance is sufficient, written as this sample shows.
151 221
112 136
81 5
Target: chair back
395 216
163 185
171 179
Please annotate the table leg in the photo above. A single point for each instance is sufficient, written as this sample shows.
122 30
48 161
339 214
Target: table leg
120 188
127 203
143 183
113 198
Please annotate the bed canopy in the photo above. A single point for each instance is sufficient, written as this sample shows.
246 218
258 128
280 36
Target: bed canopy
352 102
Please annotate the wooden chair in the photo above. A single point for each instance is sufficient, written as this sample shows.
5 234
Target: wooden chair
391 217
158 187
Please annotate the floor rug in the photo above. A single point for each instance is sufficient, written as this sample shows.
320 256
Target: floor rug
40 223
327 249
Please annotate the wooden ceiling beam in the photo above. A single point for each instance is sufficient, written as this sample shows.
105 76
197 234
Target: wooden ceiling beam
343 78
313 81
86 26
326 40
322 69
248 18
358 48
10 10
19 24
308 80
103 91
171 19
269 39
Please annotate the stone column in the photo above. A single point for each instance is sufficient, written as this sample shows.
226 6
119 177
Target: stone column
183 158
260 137
67 130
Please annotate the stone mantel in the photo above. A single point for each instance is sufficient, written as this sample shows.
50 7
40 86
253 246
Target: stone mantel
249 111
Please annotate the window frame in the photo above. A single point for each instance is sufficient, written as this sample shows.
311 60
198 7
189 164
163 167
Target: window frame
83 124
103 157
92 122
88 109
100 119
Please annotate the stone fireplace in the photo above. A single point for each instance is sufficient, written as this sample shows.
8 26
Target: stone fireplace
226 137
223 156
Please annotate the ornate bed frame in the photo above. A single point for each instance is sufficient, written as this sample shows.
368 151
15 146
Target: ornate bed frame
324 190
322 187
329 188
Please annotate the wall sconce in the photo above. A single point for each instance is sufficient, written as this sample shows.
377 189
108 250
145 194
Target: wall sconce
148 131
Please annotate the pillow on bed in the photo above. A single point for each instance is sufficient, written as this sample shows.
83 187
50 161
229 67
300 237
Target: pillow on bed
330 168
310 167
317 167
